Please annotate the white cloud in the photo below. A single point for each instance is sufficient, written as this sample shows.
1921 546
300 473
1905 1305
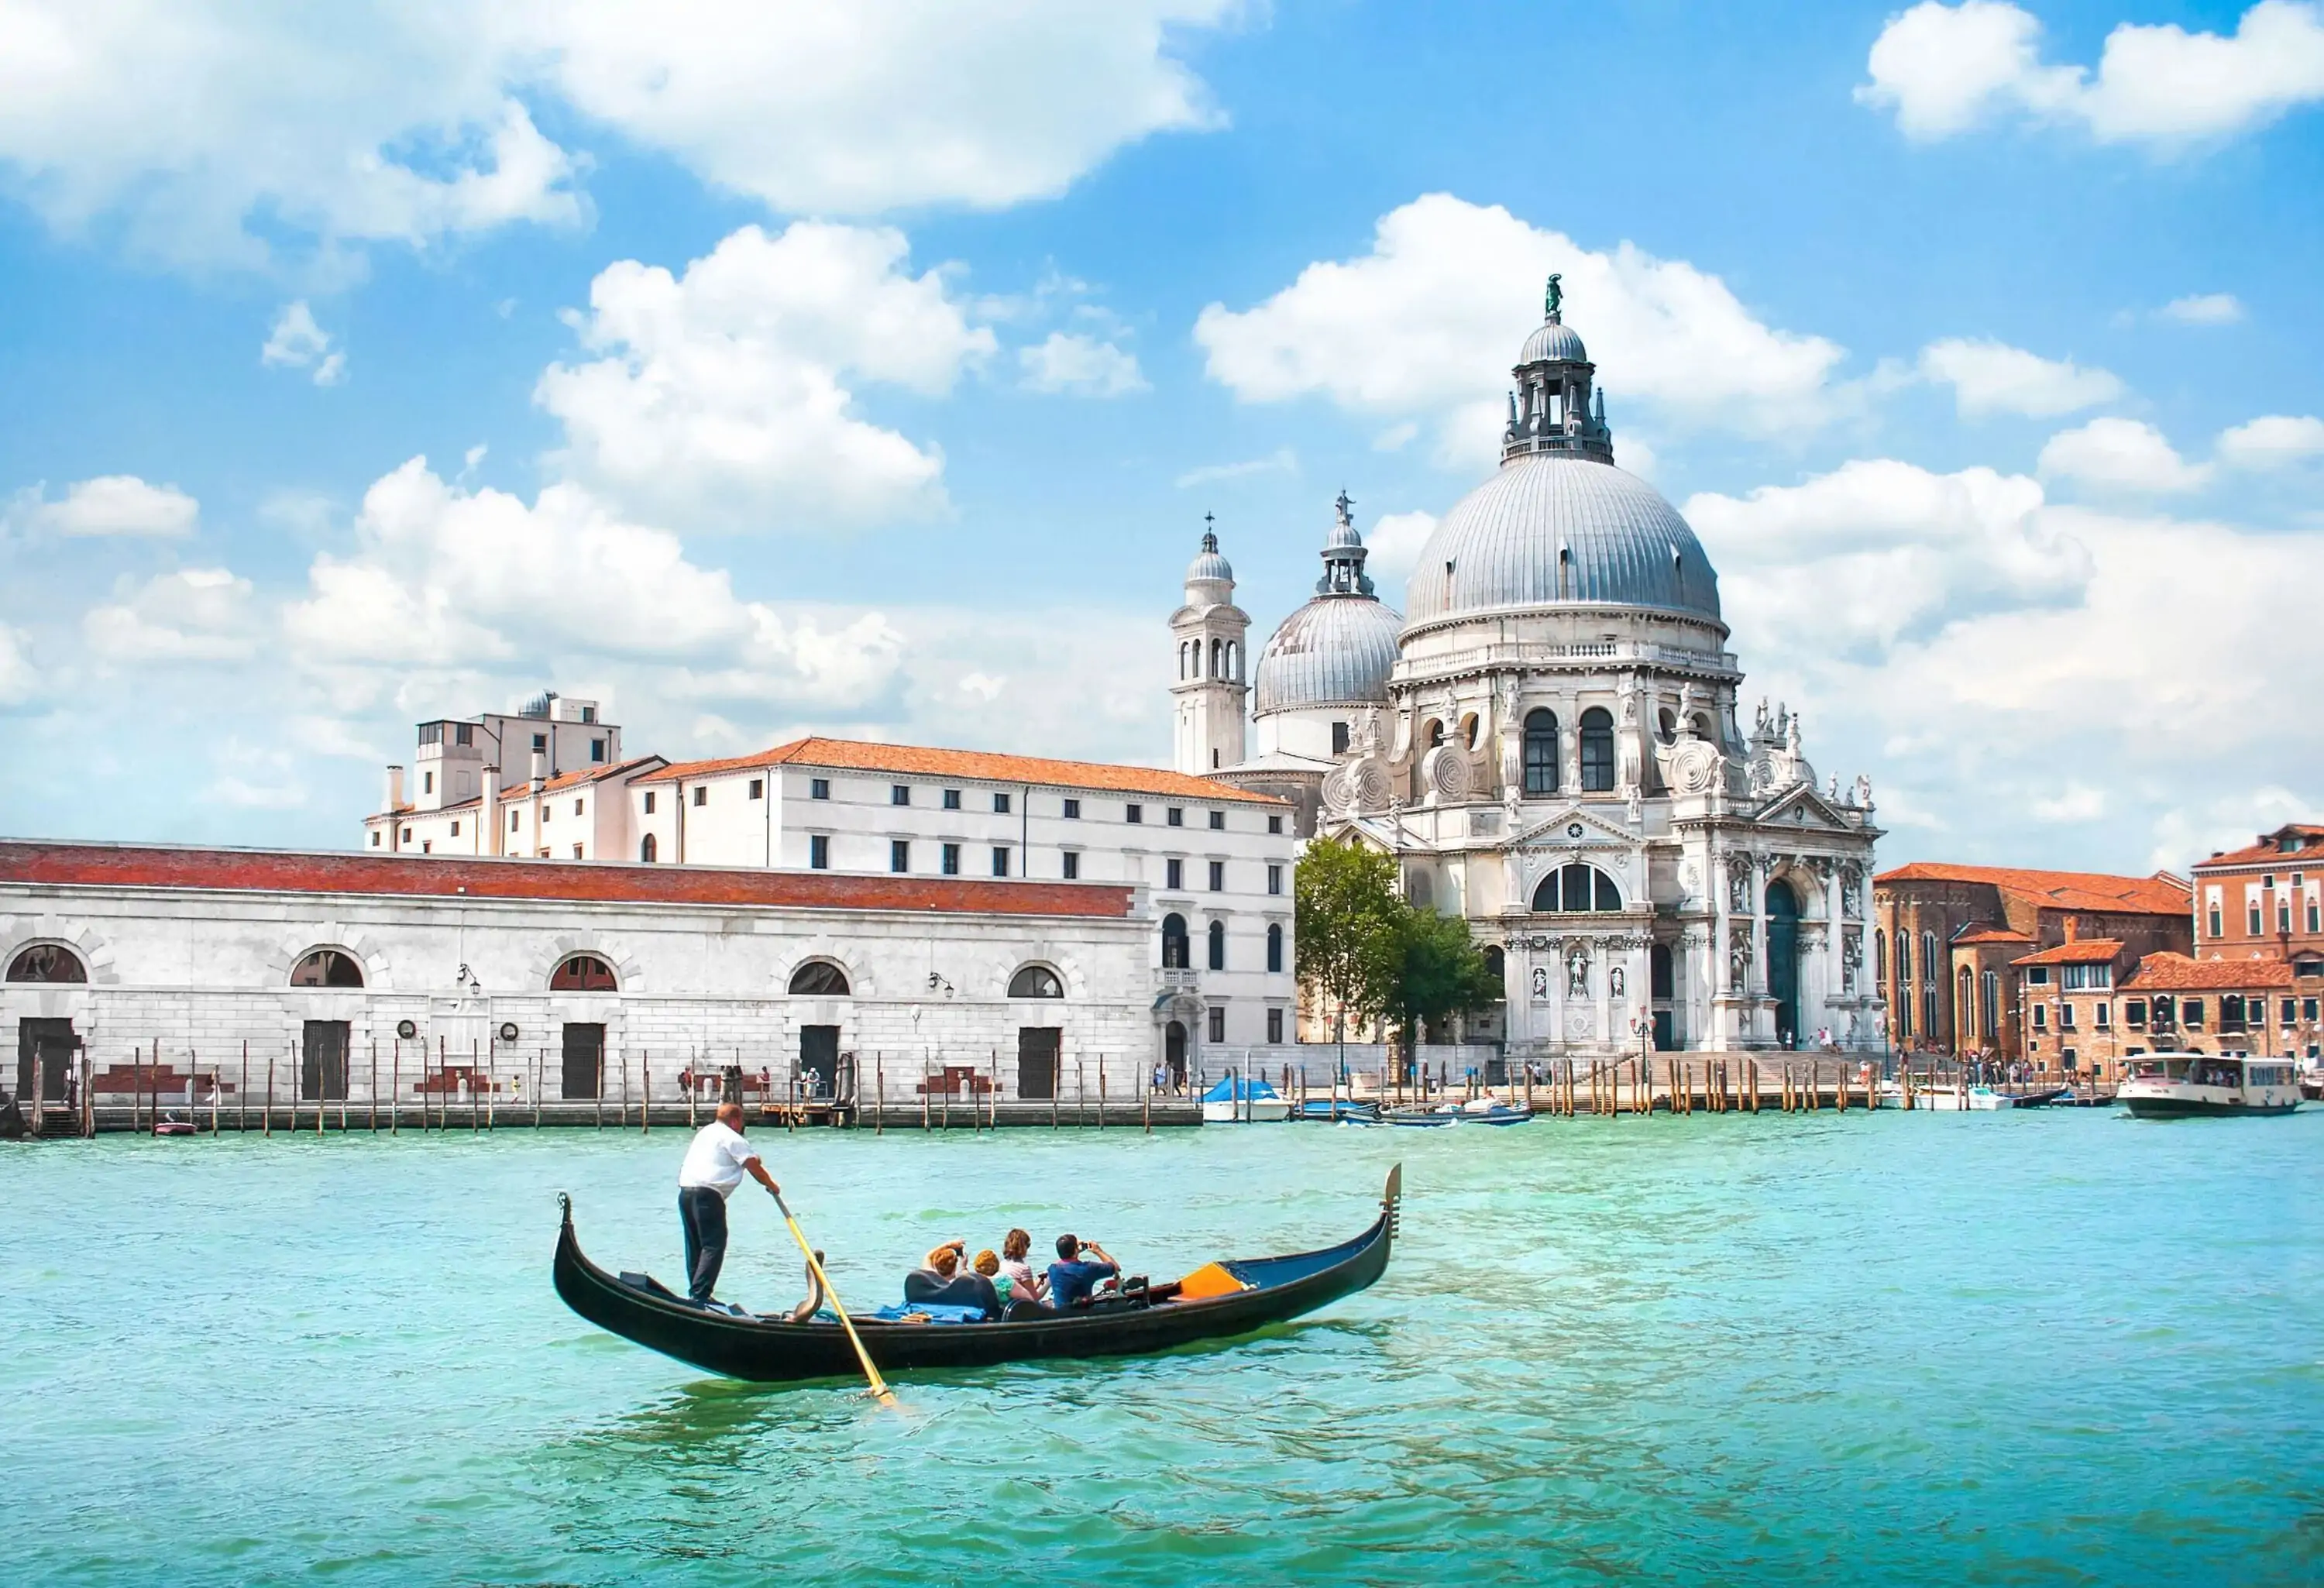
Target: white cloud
109 505
1394 544
1993 377
1945 70
16 675
1878 553
2276 441
2201 827
192 616
2120 454
2076 802
1082 366
1426 325
722 399
297 342
2205 308
1282 460
213 129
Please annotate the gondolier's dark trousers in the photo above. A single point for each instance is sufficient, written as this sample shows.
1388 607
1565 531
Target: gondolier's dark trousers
703 1211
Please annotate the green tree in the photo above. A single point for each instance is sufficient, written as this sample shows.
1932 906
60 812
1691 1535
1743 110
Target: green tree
1347 913
1439 972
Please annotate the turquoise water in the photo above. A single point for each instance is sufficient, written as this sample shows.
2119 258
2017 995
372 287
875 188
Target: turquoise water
2060 1348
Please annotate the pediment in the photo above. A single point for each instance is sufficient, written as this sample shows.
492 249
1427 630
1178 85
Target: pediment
1574 828
1802 808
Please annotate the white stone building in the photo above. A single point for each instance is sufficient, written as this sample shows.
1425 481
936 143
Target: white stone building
354 976
1549 742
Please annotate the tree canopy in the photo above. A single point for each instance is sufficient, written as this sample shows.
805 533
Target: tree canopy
1371 954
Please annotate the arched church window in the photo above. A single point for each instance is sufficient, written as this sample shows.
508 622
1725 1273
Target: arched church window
1436 734
1578 889
1176 949
48 962
1666 725
1930 970
648 849
1541 753
1035 981
1469 731
1275 946
1218 936
819 978
1497 967
1216 650
582 973
1964 1011
1880 958
326 967
1597 751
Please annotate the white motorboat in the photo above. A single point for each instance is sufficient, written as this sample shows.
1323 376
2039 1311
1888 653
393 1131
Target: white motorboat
1242 1100
2185 1086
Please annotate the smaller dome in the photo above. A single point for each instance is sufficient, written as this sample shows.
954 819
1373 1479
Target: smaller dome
1335 651
1209 564
1556 342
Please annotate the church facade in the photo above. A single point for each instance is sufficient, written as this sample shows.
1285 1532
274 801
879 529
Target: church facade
1549 740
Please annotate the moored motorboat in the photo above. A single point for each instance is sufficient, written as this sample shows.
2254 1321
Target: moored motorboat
1482 1111
1241 1099
1218 1301
2186 1085
1359 1110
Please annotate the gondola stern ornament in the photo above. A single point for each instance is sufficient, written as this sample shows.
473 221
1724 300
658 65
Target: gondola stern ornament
565 1203
1392 1200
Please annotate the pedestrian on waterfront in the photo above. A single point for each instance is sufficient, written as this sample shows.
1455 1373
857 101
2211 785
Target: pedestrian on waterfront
1022 1279
1072 1276
715 1165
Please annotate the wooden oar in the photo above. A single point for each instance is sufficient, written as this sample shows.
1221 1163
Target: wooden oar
879 1385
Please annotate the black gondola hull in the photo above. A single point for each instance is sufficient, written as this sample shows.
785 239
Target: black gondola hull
774 1353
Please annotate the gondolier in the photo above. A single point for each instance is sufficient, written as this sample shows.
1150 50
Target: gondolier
715 1165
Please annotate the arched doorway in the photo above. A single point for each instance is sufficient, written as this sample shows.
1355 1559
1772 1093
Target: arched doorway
1784 960
1174 1053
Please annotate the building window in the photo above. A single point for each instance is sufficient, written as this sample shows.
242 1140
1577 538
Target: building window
648 849
1339 738
2231 1011
1597 751
701 795
596 750
1000 862
2134 1013
1175 956
2065 1017
1073 810
650 802
1218 821
1275 946
582 972
2251 916
1218 1023
818 852
1880 958
2285 1016
516 820
900 855
1174 875
1035 981
1541 753
899 793
547 812
427 846
456 829
324 967
816 788
540 743
2283 915
952 800
427 783
2040 1017
1577 888
1001 804
1176 815
1073 859
1218 935
374 837
951 859
1274 829
2191 1013
2315 917
463 733
577 851
819 978
1275 879
1928 1008
758 788
580 808
2035 975
1133 814
1218 876
2218 926
1274 1025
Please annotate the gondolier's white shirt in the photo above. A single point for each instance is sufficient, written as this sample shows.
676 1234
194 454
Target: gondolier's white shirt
717 1160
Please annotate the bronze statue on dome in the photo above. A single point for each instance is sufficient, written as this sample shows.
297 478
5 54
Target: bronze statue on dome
1552 298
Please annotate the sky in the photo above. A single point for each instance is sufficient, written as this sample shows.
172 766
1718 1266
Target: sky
756 368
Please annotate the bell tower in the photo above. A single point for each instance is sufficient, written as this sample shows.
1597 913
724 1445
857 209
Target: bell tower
1208 695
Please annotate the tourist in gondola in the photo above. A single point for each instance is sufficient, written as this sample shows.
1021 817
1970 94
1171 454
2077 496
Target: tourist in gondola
715 1165
1073 1276
941 1281
1025 1282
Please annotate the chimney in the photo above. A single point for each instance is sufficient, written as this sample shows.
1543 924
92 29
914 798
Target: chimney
488 814
2073 928
539 767
394 788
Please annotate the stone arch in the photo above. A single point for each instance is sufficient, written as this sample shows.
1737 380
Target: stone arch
863 980
1036 979
366 950
629 975
18 933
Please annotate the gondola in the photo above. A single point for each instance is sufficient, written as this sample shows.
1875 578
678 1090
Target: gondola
1257 1292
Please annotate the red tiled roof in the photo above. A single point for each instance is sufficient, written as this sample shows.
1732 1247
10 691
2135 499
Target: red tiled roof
974 765
31 863
2085 951
2175 972
2160 894
2267 851
1992 935
513 792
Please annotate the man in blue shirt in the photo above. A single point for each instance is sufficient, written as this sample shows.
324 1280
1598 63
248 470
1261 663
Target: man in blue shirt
1070 1278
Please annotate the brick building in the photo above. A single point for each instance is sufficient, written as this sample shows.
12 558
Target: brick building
1947 940
2089 1015
2265 901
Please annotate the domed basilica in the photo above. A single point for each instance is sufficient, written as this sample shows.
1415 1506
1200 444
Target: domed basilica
1548 741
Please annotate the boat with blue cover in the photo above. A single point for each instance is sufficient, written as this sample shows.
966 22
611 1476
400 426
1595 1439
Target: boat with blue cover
1242 1098
1218 1301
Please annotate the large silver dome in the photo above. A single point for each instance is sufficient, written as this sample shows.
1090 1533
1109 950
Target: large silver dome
1335 651
1554 530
